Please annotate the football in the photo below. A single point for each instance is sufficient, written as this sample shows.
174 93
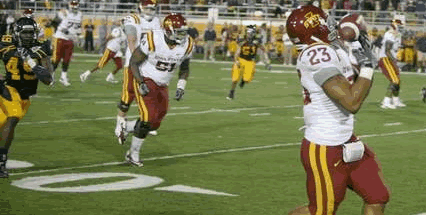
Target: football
350 27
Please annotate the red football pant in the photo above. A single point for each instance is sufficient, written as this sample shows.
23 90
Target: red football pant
62 49
390 70
153 106
328 176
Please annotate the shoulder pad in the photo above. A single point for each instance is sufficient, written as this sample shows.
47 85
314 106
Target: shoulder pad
131 19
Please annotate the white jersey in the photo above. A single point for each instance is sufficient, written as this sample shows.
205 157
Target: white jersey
395 38
142 26
117 41
162 61
326 122
70 22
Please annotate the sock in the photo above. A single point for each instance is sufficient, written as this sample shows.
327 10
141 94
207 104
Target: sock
387 101
88 72
135 147
130 126
395 100
63 74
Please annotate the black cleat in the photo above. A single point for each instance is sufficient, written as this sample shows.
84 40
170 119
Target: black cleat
242 83
230 95
424 94
130 160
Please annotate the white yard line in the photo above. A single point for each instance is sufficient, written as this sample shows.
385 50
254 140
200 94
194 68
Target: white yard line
392 124
278 145
70 100
213 110
260 114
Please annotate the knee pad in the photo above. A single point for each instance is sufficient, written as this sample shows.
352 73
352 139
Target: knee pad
394 87
123 106
141 129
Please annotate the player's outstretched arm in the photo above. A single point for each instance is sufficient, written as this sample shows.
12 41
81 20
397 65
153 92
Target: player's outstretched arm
183 77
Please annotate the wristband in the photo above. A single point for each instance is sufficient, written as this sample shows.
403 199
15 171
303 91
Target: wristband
181 84
366 72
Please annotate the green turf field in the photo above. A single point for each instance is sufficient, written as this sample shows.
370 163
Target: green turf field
239 157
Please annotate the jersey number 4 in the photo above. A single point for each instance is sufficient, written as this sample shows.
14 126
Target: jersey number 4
318 55
164 66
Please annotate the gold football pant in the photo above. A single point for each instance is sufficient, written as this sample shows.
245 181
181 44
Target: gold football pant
246 70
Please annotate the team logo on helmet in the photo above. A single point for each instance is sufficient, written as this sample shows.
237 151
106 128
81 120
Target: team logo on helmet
312 20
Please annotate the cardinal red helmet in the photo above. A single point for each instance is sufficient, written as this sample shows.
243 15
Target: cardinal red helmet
148 8
309 24
175 27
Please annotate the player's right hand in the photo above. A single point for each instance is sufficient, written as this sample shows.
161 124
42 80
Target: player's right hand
143 89
363 57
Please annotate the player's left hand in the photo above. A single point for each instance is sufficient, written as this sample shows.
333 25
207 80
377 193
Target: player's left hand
179 94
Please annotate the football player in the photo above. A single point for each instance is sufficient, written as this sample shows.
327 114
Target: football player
334 159
134 26
233 40
244 66
279 43
387 64
112 51
26 61
153 64
66 34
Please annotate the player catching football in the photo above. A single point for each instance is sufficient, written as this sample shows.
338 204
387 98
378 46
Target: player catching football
153 64
334 159
26 61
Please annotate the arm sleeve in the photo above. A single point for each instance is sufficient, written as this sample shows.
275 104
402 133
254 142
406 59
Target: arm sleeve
324 74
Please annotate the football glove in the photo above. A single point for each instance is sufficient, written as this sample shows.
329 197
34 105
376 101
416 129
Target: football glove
179 94
65 31
363 57
143 88
363 39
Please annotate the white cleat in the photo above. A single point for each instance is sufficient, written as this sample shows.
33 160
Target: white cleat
84 76
388 106
400 104
111 79
64 81
132 160
153 133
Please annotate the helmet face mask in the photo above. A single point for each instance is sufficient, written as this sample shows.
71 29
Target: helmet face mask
175 28
25 32
251 32
398 25
74 6
148 9
309 24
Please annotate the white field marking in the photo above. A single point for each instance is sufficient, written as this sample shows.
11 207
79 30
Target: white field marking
14 164
70 100
221 62
188 189
278 82
260 114
392 124
105 102
265 71
213 110
180 108
226 79
298 117
278 145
